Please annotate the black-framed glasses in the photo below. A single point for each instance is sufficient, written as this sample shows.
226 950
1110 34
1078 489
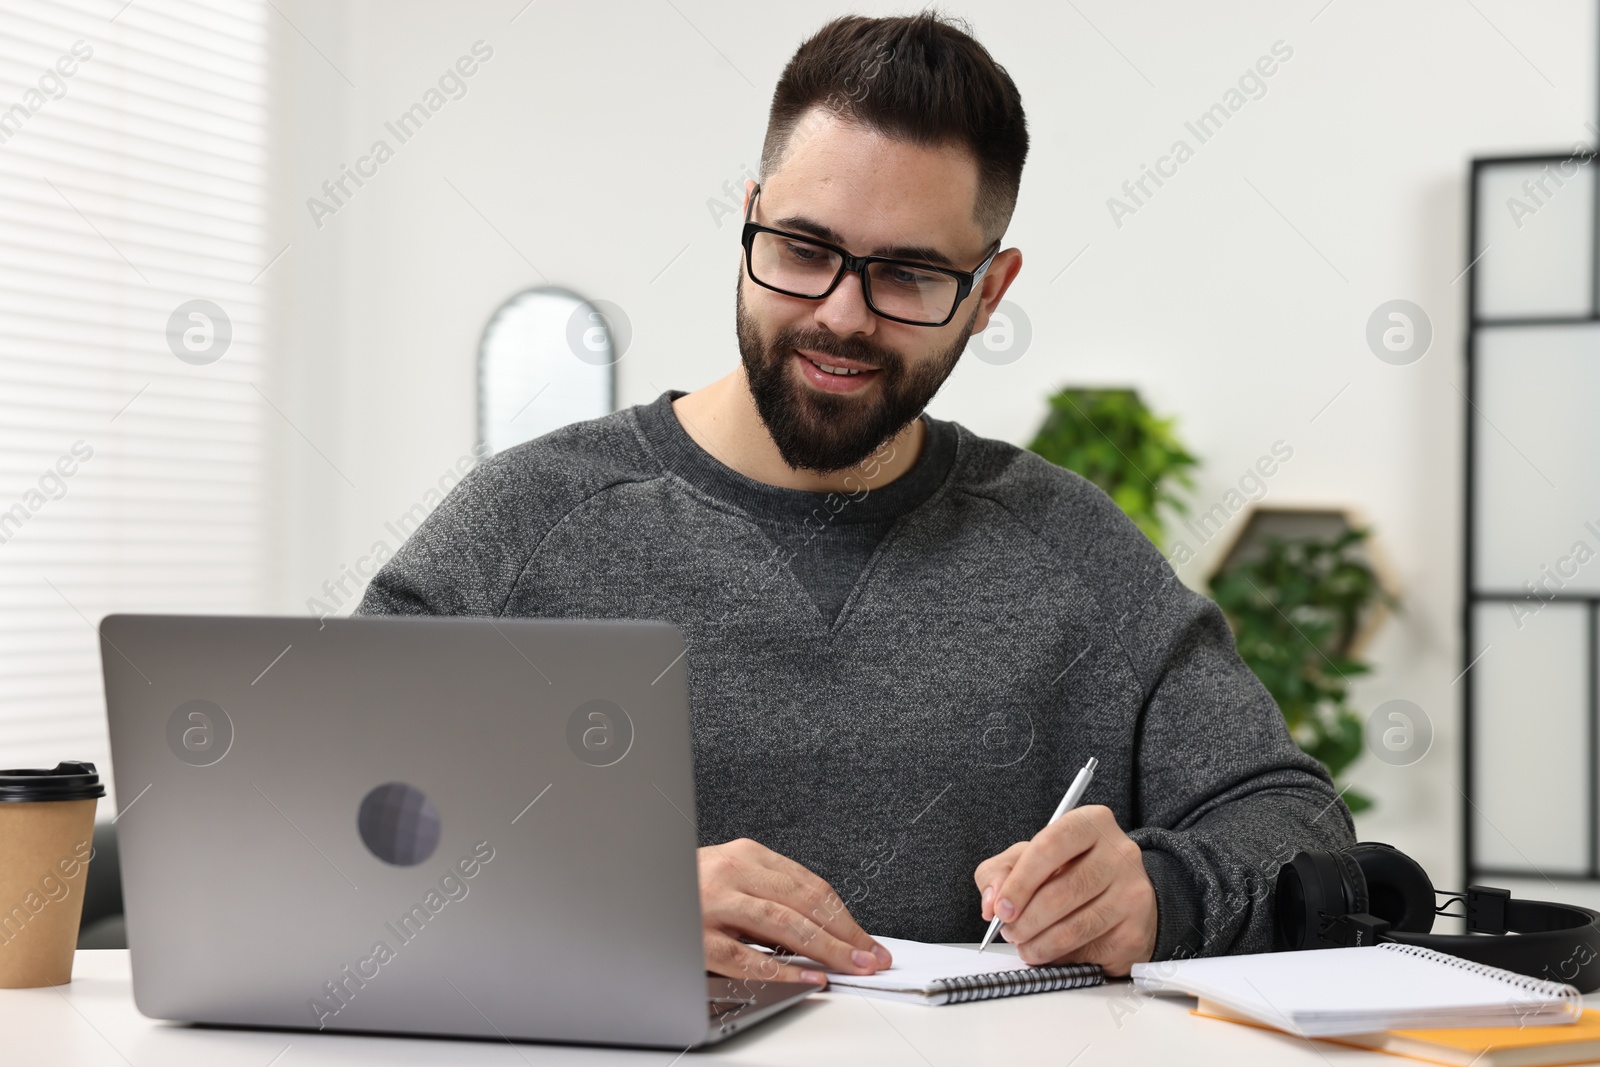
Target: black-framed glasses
918 294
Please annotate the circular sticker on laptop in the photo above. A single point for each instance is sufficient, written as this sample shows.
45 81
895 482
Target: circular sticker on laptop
599 733
199 733
399 824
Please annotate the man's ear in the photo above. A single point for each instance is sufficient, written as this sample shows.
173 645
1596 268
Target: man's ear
744 208
992 289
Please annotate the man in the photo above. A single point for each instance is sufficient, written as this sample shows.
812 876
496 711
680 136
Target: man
903 639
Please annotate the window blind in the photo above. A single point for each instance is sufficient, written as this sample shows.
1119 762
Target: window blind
133 380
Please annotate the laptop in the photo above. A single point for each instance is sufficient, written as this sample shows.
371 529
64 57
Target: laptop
448 826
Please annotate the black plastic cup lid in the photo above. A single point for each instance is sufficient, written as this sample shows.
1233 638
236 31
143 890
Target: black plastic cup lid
68 780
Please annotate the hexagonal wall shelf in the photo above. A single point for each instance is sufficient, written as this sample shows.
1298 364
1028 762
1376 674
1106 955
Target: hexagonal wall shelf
1322 524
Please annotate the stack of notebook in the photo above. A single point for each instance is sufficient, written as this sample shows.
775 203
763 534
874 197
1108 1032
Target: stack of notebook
1394 998
1335 991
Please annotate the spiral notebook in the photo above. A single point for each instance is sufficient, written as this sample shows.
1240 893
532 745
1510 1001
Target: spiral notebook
1336 991
939 974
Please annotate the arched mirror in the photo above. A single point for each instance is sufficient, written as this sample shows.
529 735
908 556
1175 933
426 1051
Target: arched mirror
548 358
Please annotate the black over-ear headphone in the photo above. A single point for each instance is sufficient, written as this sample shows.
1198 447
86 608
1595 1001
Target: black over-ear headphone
1373 892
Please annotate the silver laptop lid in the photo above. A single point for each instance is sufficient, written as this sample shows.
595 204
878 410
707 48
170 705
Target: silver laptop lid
433 825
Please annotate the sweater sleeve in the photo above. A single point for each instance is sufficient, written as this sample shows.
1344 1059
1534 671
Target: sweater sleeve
437 571
467 555
1220 797
1223 795
458 561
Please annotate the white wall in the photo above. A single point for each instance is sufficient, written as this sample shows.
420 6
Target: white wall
1236 298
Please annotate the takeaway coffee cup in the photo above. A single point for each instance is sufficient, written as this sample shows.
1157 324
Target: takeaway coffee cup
46 836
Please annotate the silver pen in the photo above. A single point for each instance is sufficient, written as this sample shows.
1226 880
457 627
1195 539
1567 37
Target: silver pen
1075 792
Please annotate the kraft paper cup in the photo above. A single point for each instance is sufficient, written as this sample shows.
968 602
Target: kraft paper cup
46 837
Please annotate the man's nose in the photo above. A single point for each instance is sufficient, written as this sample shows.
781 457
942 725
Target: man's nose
845 311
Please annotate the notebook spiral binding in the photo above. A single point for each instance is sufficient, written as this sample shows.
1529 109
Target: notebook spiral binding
1571 999
1017 983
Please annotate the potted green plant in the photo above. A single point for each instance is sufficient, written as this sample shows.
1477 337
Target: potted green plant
1111 438
1295 606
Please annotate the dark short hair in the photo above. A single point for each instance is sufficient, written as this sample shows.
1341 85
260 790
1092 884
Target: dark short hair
918 78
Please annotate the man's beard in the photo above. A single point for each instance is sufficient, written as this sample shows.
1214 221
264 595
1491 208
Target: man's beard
827 432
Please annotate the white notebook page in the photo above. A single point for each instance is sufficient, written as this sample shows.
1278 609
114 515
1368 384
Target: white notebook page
917 965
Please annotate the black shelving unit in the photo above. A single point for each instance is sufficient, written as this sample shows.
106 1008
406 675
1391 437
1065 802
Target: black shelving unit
1476 593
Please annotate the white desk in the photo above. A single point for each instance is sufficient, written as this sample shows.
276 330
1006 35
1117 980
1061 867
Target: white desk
93 1021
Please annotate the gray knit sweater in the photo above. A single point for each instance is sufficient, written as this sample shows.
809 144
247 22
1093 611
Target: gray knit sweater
1009 625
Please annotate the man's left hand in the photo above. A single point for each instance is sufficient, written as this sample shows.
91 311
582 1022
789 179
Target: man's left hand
1076 893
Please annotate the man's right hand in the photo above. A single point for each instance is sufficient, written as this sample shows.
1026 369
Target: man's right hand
749 891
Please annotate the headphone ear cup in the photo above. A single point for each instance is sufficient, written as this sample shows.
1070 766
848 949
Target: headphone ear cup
1312 888
1399 891
1296 901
